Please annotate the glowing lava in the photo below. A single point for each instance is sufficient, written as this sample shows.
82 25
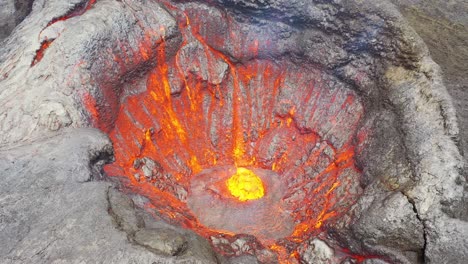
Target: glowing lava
179 138
245 185
215 207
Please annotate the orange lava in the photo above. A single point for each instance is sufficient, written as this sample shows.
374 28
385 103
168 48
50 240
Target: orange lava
40 52
201 109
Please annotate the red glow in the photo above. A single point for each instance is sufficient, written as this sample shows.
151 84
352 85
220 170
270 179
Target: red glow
77 11
202 110
359 258
90 104
40 52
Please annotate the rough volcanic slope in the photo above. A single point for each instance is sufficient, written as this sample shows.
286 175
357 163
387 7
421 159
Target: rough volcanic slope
435 21
336 106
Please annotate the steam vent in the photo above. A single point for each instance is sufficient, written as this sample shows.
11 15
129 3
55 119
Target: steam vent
227 131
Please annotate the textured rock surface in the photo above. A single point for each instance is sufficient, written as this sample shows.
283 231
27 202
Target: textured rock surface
12 12
444 28
318 252
413 209
390 221
53 212
243 260
163 241
78 64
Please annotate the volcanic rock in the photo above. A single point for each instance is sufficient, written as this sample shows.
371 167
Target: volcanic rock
122 208
246 259
340 98
163 241
374 261
53 212
385 219
318 252
12 12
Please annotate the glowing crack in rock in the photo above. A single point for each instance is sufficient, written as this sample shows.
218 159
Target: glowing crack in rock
211 201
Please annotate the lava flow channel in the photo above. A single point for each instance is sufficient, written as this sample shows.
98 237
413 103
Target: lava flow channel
201 111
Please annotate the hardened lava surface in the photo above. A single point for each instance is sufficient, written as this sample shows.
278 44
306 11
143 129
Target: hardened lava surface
202 113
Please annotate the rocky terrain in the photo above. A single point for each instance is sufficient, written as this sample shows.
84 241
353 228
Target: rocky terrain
60 76
444 28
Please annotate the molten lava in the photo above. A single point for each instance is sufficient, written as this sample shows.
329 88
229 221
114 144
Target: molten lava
245 185
214 206
183 138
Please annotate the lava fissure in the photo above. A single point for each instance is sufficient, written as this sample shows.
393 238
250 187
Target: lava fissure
40 52
77 10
